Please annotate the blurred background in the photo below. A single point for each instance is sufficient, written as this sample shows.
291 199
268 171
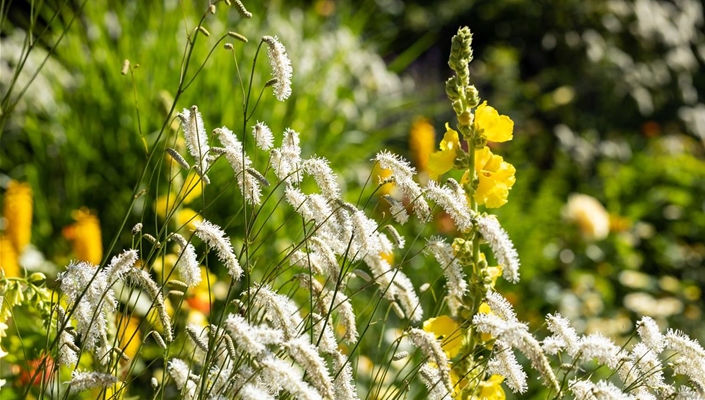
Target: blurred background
607 97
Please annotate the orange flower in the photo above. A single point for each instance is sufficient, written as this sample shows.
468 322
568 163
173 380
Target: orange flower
8 258
422 139
17 211
85 236
130 335
378 175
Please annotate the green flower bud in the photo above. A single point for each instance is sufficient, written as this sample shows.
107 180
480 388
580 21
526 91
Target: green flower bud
37 277
472 96
453 89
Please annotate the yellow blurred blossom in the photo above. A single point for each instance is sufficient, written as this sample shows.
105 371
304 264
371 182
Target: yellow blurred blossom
188 217
491 389
130 335
448 331
8 258
496 178
17 211
165 204
442 161
193 187
85 236
590 216
422 140
378 175
495 127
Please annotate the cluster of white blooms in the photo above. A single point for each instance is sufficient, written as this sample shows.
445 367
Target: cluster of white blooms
89 294
216 239
281 67
84 380
433 351
187 263
502 247
196 136
640 369
226 376
402 176
264 139
454 203
286 160
240 163
456 283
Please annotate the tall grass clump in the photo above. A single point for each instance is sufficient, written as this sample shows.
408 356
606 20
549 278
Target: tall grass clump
303 289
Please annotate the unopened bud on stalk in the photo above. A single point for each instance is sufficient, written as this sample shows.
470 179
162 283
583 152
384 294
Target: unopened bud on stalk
158 338
211 8
228 46
472 96
152 239
204 31
241 9
452 88
271 82
400 356
460 49
178 158
125 67
237 36
37 277
137 228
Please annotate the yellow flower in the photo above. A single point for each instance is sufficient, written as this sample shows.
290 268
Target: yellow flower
8 258
17 211
446 329
496 178
85 236
495 127
422 139
491 389
442 161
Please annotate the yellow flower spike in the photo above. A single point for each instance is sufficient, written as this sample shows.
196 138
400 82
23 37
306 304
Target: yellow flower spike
8 258
445 328
85 236
442 161
17 211
496 178
422 139
491 389
495 127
